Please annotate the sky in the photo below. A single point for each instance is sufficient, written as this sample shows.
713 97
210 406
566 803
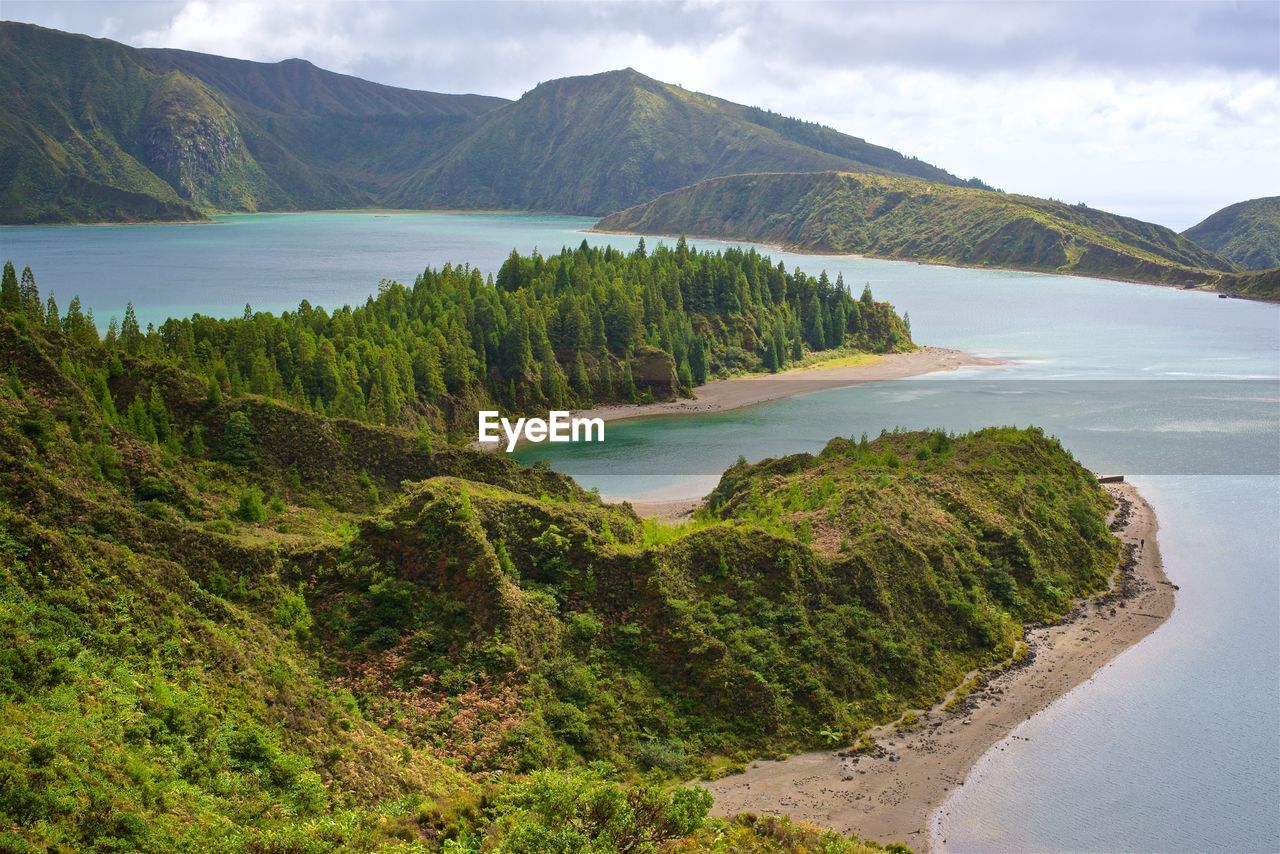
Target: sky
1166 111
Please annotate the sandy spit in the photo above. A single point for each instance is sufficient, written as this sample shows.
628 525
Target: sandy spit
740 392
892 793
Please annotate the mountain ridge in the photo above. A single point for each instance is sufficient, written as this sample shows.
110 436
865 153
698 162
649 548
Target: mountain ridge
94 131
903 218
314 633
238 135
543 152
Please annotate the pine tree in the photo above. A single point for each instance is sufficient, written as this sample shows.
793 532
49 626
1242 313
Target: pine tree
113 334
10 295
130 334
376 411
580 381
159 415
139 421
30 296
51 320
698 360
770 356
102 394
238 439
213 392
627 389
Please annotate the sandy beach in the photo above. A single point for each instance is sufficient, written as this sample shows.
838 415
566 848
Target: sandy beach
739 392
891 793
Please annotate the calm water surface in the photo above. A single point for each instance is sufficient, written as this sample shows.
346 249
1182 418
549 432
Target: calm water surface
1173 747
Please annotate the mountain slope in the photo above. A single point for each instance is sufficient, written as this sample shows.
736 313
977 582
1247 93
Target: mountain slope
595 144
71 126
896 217
1247 233
94 130
303 118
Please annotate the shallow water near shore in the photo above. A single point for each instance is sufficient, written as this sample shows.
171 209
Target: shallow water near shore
1173 747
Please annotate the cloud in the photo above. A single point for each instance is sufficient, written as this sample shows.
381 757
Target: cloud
1164 111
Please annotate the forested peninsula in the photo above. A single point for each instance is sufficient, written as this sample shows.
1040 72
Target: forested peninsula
584 326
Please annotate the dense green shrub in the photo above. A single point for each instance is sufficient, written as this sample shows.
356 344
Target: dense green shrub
250 508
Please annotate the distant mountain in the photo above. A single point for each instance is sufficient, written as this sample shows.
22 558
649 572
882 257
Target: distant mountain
895 217
1248 233
596 144
93 130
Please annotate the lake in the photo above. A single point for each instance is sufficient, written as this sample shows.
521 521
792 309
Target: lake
1173 747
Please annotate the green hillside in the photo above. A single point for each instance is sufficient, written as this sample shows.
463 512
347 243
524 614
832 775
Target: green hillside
71 128
234 624
339 140
1247 233
97 131
231 622
894 217
92 130
596 144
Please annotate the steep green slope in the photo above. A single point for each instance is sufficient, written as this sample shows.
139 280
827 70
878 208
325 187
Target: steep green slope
599 143
94 130
1247 233
297 87
314 125
894 217
233 624
71 127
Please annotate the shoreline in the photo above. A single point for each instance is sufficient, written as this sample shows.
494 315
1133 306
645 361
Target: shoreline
740 392
210 217
800 250
897 791
753 389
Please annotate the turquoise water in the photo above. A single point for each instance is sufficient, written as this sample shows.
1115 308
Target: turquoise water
1173 747
269 261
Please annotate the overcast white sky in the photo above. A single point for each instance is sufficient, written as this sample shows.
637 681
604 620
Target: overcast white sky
1161 110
